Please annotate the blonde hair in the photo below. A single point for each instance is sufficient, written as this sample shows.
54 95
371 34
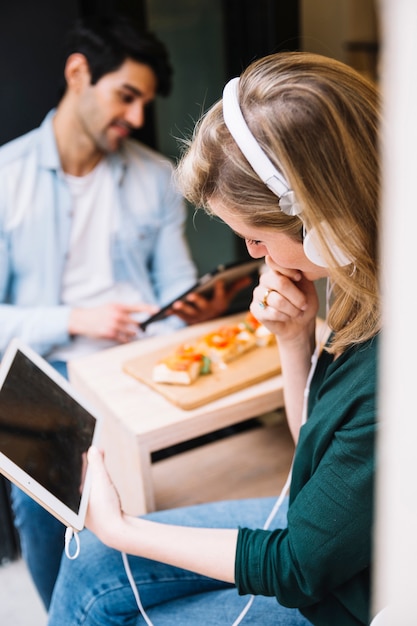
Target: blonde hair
317 120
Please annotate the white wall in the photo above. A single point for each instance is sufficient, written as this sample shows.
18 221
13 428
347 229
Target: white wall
327 25
396 530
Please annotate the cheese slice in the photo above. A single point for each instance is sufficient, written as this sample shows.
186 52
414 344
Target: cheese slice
182 367
162 373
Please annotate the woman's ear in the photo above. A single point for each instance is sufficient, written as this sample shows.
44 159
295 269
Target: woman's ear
77 72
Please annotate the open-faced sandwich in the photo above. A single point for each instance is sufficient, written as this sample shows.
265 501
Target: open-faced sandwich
181 367
263 336
226 344
211 352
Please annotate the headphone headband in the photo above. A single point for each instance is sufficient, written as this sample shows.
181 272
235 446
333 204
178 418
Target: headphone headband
268 173
256 157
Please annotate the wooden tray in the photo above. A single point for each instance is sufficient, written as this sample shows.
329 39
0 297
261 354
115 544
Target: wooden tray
248 369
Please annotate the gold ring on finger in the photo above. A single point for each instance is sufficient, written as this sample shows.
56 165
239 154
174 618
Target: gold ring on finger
264 302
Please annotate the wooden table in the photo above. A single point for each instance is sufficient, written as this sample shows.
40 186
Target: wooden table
139 421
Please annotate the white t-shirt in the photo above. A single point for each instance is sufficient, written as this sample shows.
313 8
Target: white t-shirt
88 278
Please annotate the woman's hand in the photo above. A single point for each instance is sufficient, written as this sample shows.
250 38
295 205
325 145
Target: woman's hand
285 302
289 306
104 517
210 552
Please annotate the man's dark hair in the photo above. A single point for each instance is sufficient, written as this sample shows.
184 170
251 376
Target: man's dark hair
107 42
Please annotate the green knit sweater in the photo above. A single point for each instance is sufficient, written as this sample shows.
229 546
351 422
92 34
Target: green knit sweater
321 562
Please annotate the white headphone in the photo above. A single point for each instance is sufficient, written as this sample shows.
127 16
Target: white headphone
268 173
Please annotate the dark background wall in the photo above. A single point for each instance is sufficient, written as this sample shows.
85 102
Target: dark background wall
210 40
30 36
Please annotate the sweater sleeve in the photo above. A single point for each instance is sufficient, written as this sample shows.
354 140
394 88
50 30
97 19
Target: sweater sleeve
326 548
327 541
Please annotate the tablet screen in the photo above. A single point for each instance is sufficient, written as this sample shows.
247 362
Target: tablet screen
44 430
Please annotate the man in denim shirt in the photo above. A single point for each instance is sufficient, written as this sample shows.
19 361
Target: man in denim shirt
91 229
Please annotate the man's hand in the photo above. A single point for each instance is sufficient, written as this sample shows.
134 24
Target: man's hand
196 308
112 321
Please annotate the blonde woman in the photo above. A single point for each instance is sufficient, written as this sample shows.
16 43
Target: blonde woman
289 160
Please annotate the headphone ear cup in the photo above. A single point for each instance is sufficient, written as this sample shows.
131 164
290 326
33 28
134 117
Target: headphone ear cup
312 250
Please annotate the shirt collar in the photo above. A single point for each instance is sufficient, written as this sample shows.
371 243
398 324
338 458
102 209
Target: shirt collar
48 150
49 156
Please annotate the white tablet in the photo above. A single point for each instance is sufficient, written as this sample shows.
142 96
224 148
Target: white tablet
45 432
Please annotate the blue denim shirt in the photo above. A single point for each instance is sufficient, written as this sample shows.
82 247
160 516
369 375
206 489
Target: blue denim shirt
148 250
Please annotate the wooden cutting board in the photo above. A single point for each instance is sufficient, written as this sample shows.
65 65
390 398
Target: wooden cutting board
248 369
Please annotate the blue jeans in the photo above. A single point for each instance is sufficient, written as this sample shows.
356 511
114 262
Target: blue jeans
94 590
41 535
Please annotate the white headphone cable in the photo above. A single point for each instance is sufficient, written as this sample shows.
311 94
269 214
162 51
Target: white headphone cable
135 589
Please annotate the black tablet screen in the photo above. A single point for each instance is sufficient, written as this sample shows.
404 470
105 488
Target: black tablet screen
44 430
